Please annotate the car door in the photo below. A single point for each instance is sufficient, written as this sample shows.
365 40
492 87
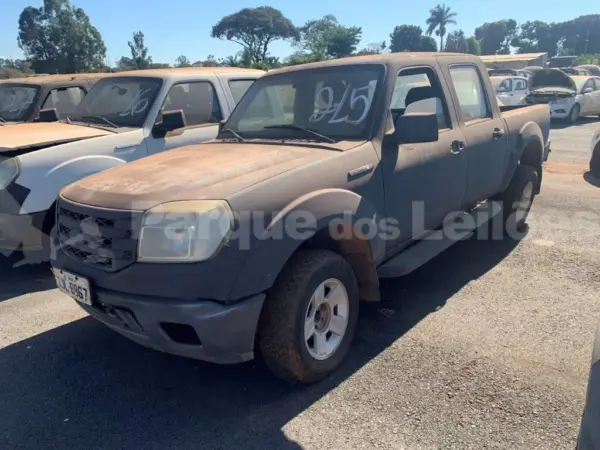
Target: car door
484 130
203 110
423 182
505 93
586 100
64 99
520 89
596 96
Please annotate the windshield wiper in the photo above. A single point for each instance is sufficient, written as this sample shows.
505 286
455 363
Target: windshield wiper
2 120
306 130
103 119
234 133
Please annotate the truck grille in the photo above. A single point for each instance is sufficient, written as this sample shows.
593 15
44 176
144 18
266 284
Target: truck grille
104 239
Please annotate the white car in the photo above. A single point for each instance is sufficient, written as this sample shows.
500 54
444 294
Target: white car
124 117
511 90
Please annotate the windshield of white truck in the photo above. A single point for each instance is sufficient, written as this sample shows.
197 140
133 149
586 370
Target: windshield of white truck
330 103
118 102
16 101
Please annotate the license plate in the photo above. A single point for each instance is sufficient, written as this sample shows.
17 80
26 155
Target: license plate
74 286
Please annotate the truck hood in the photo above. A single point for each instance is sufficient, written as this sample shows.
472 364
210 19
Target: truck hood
24 137
548 78
206 171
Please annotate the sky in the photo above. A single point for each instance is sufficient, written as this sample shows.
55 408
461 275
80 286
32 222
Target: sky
182 27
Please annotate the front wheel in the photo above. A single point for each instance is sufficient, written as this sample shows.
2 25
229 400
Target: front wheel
516 201
595 162
309 317
574 114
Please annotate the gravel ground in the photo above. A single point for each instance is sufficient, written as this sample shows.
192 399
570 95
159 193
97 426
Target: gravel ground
486 347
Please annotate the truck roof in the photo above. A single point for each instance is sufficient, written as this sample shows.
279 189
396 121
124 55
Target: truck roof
178 71
47 79
385 58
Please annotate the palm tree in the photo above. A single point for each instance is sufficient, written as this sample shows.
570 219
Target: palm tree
439 18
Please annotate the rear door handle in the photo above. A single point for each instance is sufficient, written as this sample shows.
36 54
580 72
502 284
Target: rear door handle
457 147
498 133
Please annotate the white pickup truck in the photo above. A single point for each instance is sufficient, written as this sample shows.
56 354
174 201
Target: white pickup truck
124 117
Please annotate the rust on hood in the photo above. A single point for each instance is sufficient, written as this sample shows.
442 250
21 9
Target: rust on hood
40 134
207 171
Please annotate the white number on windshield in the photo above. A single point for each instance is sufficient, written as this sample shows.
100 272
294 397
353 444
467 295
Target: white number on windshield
357 99
137 106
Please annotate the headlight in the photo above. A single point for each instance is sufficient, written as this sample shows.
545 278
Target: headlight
9 170
184 231
560 101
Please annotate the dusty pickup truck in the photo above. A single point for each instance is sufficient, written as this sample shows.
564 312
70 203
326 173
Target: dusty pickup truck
124 117
323 180
22 99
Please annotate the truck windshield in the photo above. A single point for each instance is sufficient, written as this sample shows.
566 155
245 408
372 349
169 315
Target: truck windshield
16 101
336 102
118 102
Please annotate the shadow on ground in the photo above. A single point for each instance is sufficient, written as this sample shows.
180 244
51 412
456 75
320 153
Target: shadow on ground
20 280
83 386
558 124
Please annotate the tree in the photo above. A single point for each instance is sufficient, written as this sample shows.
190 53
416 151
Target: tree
439 18
473 46
375 48
326 38
139 52
59 38
496 37
255 29
182 61
406 38
428 44
536 36
578 36
456 42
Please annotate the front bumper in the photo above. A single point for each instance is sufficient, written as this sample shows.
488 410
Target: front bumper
21 232
203 329
560 113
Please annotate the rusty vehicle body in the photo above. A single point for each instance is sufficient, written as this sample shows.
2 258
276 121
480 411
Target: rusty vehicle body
21 99
350 177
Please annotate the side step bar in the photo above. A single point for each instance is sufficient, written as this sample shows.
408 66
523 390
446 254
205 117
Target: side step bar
460 227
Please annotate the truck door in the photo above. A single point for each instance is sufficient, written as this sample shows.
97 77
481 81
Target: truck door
505 92
202 109
484 130
427 181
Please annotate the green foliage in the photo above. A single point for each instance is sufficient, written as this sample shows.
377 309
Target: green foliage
409 38
587 59
473 46
139 52
428 44
182 61
439 18
495 38
59 38
373 49
326 38
456 42
255 29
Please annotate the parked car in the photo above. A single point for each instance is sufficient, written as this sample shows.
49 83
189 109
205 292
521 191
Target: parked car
166 250
511 90
593 69
595 158
21 99
589 431
502 72
574 71
568 97
125 116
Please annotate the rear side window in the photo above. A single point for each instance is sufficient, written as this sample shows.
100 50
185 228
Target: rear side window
238 88
597 83
65 100
520 85
506 85
470 93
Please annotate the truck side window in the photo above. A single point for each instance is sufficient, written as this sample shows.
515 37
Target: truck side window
238 88
597 83
506 85
64 100
418 90
470 93
197 99
520 85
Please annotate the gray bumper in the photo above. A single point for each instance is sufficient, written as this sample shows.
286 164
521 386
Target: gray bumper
204 330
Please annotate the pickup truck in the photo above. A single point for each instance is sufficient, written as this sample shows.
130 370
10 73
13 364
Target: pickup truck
322 181
125 116
21 99
595 155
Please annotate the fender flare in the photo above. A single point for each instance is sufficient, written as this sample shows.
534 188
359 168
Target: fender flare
530 133
266 256
45 192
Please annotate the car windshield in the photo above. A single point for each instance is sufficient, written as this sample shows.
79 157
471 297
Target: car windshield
16 100
335 102
579 82
118 102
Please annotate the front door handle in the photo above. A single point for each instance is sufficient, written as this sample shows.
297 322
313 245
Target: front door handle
498 133
457 147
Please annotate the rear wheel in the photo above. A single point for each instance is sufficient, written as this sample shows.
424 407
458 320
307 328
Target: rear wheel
309 317
595 162
517 199
574 114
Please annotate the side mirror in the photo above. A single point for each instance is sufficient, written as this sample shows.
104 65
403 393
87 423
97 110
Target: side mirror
173 120
587 91
48 115
415 128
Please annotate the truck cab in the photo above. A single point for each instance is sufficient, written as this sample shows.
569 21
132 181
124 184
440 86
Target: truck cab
326 177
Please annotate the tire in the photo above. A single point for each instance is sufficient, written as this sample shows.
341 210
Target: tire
517 199
574 114
282 333
595 162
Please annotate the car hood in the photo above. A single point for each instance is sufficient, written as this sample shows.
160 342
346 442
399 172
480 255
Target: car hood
207 171
551 78
38 135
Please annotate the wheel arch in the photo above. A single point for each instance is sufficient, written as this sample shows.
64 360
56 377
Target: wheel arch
529 151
